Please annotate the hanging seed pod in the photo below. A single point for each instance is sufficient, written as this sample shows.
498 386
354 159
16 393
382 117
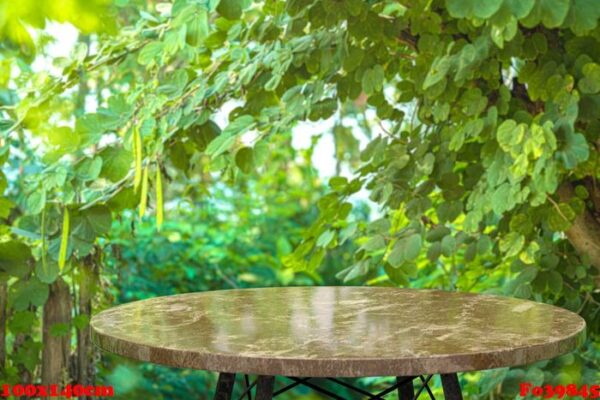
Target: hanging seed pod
64 240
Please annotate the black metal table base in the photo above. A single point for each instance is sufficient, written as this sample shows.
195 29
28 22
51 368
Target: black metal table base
265 387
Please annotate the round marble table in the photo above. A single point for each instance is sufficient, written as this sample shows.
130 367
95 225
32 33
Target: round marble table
333 332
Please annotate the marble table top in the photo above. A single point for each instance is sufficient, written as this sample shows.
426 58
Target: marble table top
337 331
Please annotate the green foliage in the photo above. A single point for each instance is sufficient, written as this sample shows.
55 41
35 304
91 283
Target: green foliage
16 18
479 115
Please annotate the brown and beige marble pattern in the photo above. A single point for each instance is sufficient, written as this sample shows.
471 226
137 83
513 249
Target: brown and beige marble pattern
337 331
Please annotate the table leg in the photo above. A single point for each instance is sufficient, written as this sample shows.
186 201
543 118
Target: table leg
451 387
248 387
406 390
224 386
264 387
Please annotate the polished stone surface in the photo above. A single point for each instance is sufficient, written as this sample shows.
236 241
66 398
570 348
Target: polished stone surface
337 331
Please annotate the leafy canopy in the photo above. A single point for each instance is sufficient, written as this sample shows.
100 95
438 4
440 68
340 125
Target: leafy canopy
486 109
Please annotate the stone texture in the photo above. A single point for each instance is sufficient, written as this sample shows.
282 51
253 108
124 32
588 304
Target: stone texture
337 331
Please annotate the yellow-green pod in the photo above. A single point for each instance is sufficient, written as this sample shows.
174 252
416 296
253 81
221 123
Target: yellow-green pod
137 154
64 240
144 194
159 198
44 246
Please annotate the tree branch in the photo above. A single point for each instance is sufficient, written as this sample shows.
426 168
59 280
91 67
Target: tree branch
408 39
519 91
584 234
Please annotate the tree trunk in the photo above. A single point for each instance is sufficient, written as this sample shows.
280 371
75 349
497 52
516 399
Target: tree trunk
25 376
55 355
3 311
584 234
85 366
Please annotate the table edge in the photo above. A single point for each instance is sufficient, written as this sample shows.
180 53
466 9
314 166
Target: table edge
349 367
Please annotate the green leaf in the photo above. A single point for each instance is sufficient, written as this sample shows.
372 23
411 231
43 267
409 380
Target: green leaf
203 134
89 168
448 245
438 71
555 282
150 53
359 269
437 233
500 199
294 7
22 322
528 255
90 128
583 16
575 150
47 273
179 156
59 329
230 9
325 238
481 9
197 28
412 246
24 293
471 252
35 202
244 159
55 178
410 269
512 243
5 124
81 321
91 223
510 134
172 87
396 256
64 138
5 206
372 80
520 8
229 135
374 243
484 244
338 183
434 251
426 165
353 58
116 163
220 145
347 232
581 192
590 83
551 13
527 275
473 8
261 153
459 8
448 211
14 258
549 261
486 8
396 275
561 220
